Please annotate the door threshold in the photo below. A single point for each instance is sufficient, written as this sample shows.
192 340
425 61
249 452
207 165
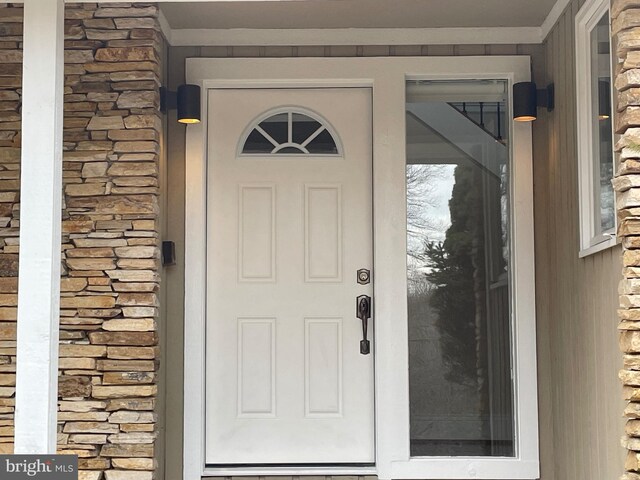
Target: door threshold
266 470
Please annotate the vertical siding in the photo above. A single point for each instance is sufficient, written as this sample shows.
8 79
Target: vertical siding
580 396
173 277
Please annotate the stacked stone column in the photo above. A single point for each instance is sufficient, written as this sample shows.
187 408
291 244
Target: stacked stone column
10 89
109 304
625 16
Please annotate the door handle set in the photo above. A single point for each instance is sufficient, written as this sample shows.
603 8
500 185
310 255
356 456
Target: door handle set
363 312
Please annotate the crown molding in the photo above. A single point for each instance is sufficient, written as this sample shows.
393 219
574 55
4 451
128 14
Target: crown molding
165 28
347 36
552 18
353 36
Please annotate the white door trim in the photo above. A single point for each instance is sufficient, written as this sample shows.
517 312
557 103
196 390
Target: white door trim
387 77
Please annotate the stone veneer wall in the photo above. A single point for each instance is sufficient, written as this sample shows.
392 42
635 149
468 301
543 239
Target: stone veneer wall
10 83
109 305
625 15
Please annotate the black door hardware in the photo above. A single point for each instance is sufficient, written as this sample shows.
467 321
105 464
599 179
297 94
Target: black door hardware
364 276
363 312
168 253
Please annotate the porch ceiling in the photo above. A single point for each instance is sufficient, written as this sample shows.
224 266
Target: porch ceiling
320 14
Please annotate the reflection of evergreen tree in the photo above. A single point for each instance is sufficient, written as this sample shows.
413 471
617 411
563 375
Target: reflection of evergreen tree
456 268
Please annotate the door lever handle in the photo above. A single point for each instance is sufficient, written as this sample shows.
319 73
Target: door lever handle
363 312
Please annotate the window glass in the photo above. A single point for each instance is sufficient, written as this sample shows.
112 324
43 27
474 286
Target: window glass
277 126
323 143
458 221
303 127
256 142
290 133
601 124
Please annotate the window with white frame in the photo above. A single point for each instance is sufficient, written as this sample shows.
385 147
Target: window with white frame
458 271
595 132
289 131
465 409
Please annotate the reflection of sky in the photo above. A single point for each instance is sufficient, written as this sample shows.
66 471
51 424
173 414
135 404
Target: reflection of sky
438 208
435 213
439 139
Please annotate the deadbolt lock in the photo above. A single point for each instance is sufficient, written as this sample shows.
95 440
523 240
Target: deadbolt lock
364 276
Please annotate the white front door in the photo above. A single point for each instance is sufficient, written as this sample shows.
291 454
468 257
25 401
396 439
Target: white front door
289 225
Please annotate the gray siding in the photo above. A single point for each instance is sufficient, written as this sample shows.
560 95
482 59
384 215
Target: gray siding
580 395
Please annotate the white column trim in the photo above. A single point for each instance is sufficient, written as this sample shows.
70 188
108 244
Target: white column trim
40 224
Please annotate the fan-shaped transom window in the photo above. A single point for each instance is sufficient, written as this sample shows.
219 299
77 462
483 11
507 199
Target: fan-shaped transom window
290 132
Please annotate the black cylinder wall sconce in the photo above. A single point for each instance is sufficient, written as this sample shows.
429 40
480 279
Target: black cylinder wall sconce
527 98
186 100
524 102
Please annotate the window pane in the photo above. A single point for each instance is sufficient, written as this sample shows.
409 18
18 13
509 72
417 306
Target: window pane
277 127
303 127
461 395
602 129
257 143
290 133
323 143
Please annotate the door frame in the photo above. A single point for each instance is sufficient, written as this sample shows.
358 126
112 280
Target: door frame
386 76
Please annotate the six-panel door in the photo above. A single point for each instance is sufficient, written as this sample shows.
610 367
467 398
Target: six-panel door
289 225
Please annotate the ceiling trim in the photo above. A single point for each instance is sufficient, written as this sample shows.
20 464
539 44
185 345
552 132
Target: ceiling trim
165 28
554 14
360 36
351 36
420 36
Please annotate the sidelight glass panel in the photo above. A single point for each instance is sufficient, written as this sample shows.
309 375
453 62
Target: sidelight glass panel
458 257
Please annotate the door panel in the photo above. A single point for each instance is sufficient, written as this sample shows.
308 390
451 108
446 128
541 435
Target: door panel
285 380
